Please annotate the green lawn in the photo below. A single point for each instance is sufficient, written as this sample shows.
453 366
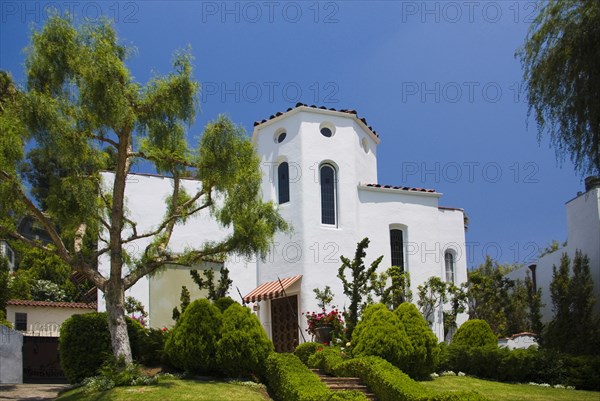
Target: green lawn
497 391
173 390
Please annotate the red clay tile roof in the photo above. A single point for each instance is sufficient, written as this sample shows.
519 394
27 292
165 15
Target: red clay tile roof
353 112
400 188
76 305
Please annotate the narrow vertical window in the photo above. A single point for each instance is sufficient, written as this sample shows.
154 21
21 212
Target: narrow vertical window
327 175
397 247
449 261
283 182
21 321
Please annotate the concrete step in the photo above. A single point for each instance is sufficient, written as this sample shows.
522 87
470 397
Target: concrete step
344 383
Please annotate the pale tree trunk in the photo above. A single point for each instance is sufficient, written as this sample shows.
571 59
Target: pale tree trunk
115 307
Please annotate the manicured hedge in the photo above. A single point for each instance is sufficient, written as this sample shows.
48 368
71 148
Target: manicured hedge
326 359
84 344
153 347
290 380
305 350
390 384
526 365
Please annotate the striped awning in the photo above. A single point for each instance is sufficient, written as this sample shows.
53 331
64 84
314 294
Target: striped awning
271 289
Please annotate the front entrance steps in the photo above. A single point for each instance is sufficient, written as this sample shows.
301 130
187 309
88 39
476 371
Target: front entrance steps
344 383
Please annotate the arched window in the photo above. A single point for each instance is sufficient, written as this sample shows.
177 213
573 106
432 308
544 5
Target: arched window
327 177
449 261
397 247
283 182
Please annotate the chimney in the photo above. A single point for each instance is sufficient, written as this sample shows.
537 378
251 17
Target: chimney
592 182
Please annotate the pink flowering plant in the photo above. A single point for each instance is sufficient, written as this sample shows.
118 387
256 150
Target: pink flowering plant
332 319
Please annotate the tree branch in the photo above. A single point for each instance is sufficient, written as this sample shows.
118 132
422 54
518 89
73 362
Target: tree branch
172 218
181 162
192 258
40 216
103 139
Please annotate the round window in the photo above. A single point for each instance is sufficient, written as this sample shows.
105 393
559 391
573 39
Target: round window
326 132
281 137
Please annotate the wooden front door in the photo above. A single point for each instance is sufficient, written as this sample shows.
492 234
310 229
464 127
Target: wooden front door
284 327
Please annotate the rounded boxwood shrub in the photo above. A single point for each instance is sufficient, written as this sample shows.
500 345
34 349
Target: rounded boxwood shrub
84 344
305 350
474 349
192 344
474 333
244 345
424 358
224 303
381 333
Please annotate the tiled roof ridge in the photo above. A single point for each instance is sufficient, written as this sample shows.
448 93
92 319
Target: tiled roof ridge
525 333
299 104
78 305
403 188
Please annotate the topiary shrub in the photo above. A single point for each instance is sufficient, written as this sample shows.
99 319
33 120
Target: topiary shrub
192 344
474 349
424 358
474 333
380 333
305 350
84 344
244 345
224 303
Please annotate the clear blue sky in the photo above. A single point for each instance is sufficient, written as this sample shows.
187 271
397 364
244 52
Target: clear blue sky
437 80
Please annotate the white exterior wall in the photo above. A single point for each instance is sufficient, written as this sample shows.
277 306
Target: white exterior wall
312 249
518 342
7 252
45 321
583 228
145 202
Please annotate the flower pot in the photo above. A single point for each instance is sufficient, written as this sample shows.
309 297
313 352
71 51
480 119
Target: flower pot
323 334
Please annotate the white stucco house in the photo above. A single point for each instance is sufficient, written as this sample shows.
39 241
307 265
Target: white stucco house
519 341
320 167
583 233
43 318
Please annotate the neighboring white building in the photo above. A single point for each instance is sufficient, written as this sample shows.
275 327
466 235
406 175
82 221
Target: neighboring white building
43 318
7 252
519 341
583 233
320 166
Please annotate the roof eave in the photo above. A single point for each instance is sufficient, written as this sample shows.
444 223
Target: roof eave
400 191
299 109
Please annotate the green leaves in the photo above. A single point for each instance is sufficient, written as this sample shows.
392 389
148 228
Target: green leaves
561 69
229 167
358 286
574 327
